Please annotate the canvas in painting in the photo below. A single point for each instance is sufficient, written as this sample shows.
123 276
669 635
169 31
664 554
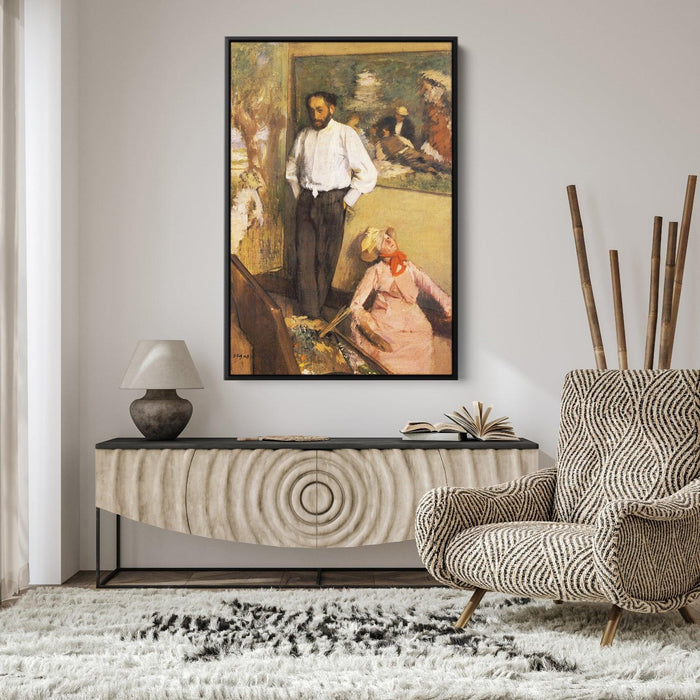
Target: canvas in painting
341 208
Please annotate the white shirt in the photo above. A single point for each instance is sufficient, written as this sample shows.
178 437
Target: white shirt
331 159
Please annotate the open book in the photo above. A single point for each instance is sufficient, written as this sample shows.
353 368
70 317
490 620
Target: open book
478 424
422 430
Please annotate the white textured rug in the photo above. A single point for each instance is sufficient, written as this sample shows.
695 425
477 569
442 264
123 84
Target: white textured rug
354 643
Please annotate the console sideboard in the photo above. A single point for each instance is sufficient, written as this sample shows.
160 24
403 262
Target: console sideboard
343 492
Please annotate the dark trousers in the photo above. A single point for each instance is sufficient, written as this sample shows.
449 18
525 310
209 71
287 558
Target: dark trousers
320 222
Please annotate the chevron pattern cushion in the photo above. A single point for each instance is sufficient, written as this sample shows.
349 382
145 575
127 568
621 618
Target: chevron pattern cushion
630 434
539 559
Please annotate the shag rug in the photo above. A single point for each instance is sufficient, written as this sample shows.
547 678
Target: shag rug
393 644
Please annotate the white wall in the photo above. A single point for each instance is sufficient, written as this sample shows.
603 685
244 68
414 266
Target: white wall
603 95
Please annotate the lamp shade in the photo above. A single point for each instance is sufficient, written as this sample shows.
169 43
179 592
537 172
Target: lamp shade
161 364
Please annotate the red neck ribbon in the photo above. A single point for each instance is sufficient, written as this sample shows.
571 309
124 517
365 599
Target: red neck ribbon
397 262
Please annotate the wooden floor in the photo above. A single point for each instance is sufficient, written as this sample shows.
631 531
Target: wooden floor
354 578
351 578
241 578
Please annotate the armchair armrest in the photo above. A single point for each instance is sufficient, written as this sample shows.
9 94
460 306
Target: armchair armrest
647 553
444 512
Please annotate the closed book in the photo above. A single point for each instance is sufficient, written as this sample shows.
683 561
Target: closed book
447 437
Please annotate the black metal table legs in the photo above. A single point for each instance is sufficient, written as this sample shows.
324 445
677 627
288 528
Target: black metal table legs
101 582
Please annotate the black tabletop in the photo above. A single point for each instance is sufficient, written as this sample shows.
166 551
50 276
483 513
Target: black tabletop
335 443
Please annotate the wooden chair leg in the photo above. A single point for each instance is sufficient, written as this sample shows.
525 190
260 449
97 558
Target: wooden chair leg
610 629
472 605
687 615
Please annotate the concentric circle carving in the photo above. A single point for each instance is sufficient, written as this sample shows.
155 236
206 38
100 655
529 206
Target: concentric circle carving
316 498
337 496
280 492
363 497
292 497
322 498
301 497
252 496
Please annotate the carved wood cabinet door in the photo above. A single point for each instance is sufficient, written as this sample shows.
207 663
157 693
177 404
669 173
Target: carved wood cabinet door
292 497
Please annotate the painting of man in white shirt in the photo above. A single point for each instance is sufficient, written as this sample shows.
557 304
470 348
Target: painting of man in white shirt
328 169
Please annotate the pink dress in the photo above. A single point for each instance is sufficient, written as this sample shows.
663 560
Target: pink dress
398 318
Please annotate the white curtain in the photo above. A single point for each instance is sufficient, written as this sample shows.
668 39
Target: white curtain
14 555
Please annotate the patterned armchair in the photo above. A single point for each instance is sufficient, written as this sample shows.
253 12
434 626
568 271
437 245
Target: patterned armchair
617 520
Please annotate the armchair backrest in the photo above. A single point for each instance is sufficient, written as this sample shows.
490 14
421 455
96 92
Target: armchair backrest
625 434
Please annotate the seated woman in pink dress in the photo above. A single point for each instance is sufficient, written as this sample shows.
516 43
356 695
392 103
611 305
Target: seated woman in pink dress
387 322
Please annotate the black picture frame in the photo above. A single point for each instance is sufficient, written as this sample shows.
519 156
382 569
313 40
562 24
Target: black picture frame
267 335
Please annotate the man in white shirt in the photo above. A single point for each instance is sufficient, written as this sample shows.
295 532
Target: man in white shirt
328 169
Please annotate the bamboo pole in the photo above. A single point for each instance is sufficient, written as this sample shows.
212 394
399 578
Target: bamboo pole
653 294
667 303
619 313
585 276
680 259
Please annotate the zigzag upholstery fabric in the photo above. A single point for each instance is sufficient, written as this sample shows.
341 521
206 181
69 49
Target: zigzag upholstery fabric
647 555
538 559
445 512
625 434
618 519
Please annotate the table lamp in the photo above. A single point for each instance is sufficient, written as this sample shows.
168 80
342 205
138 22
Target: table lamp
160 367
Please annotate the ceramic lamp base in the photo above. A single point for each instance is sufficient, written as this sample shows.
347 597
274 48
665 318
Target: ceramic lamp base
161 414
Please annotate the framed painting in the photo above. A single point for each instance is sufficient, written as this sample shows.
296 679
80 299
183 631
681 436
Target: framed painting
341 208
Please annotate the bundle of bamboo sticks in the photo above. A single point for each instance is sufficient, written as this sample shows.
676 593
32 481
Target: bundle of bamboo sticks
676 249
